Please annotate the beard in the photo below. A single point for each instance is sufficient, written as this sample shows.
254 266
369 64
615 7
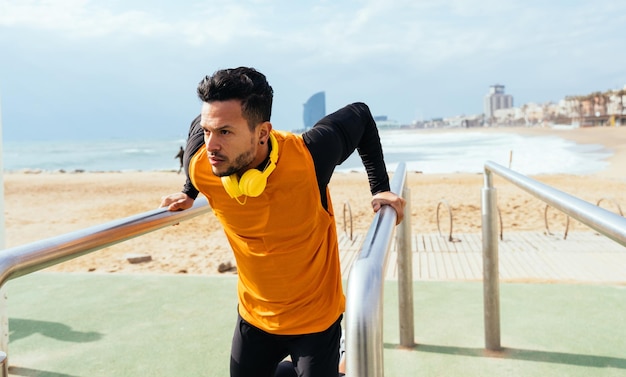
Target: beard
241 163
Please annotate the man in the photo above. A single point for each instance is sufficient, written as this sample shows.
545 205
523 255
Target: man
269 191
179 156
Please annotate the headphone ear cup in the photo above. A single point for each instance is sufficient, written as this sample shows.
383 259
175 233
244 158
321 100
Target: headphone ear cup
231 185
252 183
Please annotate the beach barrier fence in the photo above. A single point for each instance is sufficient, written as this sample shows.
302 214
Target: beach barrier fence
603 221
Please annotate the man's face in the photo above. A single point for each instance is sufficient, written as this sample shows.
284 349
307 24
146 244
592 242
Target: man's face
231 146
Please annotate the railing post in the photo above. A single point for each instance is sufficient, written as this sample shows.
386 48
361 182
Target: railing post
364 294
491 290
405 276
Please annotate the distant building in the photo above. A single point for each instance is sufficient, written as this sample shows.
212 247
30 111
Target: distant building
383 122
314 110
496 100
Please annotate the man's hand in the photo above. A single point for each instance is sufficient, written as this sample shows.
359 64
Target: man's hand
389 198
177 202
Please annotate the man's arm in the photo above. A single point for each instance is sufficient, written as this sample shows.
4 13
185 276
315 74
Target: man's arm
335 137
195 140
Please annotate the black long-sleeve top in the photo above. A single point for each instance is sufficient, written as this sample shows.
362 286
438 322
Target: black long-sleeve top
331 141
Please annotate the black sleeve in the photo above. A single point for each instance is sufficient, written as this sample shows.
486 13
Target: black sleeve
195 140
333 139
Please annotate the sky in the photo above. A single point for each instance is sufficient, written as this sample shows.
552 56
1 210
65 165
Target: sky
81 69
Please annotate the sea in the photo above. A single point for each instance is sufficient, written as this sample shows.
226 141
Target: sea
427 152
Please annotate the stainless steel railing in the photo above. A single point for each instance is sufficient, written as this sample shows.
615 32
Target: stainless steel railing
22 260
364 306
599 219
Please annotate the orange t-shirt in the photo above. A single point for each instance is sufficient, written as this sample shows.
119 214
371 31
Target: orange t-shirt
284 241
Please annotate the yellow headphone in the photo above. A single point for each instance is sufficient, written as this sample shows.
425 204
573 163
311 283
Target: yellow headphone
252 182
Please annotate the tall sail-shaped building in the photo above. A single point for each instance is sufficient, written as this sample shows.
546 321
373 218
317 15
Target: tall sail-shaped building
314 109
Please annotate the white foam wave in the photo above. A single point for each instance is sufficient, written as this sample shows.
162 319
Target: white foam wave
462 152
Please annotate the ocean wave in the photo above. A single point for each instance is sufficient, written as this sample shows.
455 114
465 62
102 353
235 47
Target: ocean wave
442 152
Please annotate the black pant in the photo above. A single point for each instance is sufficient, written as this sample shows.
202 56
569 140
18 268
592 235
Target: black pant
256 353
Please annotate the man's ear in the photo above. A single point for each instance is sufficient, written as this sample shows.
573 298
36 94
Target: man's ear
264 130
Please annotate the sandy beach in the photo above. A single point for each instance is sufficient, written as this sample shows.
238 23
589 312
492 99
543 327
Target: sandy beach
39 206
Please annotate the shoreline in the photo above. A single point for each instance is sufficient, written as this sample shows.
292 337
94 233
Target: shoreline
612 139
40 206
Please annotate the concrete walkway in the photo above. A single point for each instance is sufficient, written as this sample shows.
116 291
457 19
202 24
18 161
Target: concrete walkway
523 257
92 325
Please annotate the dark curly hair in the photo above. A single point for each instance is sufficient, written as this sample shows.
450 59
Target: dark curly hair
245 84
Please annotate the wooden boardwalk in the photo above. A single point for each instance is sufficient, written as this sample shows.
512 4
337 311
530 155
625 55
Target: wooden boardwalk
523 257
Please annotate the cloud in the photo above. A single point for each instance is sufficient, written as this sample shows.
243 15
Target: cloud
423 33
83 19
76 18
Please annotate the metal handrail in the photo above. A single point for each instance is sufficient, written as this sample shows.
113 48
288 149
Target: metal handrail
22 260
364 298
605 222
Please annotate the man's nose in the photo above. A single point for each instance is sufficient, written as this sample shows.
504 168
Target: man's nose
210 143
